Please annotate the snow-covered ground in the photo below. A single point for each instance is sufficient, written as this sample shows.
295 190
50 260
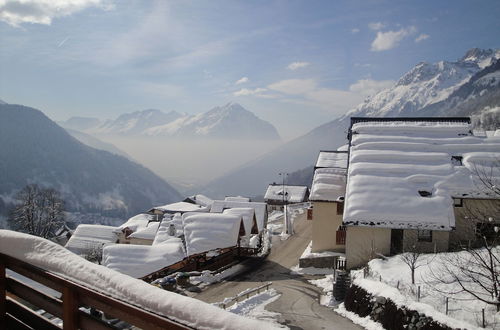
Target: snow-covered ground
464 310
254 306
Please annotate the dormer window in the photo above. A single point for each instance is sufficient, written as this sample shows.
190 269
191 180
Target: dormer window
425 193
457 160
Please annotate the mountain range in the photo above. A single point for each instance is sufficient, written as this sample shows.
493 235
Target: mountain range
34 149
230 121
469 86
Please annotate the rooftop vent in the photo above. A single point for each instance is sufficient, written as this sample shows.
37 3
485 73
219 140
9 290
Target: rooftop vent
425 193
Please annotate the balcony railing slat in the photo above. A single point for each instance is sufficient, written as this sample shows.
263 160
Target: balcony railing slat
39 299
70 309
12 323
3 295
25 314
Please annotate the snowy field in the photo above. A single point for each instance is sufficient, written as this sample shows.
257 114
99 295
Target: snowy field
385 275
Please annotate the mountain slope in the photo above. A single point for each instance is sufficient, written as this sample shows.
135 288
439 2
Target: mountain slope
80 123
422 87
33 149
95 143
136 122
229 121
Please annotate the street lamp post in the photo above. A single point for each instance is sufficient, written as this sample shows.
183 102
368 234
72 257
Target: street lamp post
287 223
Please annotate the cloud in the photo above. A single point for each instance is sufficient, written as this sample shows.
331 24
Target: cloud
390 39
17 12
242 81
355 30
368 87
298 65
294 86
246 92
376 26
422 37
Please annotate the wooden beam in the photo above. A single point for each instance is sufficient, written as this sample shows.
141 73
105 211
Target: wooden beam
70 309
39 299
3 295
29 316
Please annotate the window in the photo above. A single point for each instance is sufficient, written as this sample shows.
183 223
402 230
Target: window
424 235
340 208
457 160
458 202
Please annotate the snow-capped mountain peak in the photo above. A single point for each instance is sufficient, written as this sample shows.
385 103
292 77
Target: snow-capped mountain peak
228 121
425 84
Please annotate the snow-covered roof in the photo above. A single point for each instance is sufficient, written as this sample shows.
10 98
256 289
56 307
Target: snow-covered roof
332 159
236 199
291 194
87 237
260 210
141 260
138 222
401 173
328 185
200 200
182 207
146 233
162 233
52 257
208 231
248 216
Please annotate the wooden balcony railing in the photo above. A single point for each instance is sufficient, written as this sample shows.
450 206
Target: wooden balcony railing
19 302
341 235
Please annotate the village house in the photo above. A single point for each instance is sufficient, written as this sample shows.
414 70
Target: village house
414 184
277 195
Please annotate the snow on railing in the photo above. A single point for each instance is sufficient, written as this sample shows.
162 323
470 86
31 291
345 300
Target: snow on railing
243 295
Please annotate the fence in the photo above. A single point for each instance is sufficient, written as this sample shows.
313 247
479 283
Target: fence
17 298
244 295
425 290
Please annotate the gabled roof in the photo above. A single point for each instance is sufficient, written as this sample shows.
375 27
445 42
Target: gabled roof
290 194
401 173
87 237
209 231
260 210
181 207
335 158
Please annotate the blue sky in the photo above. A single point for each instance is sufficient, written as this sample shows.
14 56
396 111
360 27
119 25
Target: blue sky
297 64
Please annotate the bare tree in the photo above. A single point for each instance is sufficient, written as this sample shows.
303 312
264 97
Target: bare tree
413 260
93 253
476 268
38 212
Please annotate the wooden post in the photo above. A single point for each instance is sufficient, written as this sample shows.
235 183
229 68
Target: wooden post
418 293
446 306
484 321
397 286
70 309
3 280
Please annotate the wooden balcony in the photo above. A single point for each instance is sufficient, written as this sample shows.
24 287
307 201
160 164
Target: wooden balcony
341 235
19 303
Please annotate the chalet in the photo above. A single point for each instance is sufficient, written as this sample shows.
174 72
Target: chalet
327 198
86 238
277 195
139 229
412 184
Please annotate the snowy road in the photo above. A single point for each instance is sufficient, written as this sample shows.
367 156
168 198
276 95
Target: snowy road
299 303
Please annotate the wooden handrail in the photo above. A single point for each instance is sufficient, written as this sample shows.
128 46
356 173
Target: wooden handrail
14 294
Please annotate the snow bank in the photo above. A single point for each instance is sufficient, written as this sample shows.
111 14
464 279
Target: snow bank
404 174
237 199
207 231
182 207
54 258
87 237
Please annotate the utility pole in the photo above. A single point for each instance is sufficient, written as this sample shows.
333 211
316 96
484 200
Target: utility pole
287 223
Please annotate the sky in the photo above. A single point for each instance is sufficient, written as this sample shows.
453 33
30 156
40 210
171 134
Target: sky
297 64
